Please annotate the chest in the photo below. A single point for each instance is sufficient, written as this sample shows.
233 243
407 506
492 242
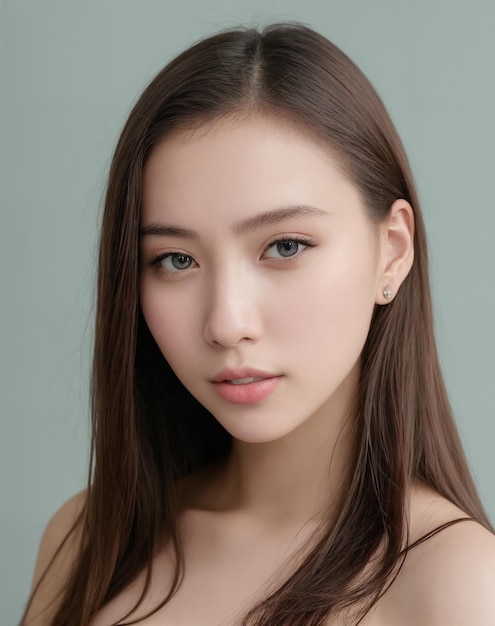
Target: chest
227 571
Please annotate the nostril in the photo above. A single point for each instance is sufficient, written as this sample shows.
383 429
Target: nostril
230 332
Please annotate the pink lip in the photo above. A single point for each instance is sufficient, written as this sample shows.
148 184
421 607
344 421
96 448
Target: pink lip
246 393
243 372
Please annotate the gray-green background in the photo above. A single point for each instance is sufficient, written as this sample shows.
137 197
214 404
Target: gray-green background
70 71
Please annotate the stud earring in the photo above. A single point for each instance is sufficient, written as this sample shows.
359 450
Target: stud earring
387 294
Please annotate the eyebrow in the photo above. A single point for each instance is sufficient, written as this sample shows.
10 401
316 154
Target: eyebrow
251 223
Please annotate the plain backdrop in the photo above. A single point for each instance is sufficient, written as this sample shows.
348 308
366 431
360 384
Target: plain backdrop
70 71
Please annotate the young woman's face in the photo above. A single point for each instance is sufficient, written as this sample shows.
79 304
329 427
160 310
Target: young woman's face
260 272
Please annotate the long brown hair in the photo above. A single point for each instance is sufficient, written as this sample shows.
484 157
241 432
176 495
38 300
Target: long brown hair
147 429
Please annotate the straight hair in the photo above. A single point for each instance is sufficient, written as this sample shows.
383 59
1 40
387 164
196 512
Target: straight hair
148 431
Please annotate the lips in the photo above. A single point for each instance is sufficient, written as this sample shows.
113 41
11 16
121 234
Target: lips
245 386
241 376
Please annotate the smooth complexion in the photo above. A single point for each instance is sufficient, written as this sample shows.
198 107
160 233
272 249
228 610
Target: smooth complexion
258 261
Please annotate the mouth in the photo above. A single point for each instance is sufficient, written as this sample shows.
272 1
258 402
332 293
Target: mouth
243 381
242 376
245 386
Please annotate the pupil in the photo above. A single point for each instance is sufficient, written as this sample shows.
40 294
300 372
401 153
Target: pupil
287 248
181 261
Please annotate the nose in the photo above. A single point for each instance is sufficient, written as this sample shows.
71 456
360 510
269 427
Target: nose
232 315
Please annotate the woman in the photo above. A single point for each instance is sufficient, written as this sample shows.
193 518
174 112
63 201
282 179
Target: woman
272 440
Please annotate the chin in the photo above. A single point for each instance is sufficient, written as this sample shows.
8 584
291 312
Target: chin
251 432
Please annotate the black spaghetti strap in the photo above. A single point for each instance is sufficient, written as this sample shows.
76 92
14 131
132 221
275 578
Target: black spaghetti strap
435 531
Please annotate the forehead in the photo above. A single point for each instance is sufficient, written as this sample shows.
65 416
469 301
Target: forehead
241 138
234 167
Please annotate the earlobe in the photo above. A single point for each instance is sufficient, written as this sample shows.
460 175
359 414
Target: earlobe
397 250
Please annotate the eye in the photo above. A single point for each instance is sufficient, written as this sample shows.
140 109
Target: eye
174 261
286 248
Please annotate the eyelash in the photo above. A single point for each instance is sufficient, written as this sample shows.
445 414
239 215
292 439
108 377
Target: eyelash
304 241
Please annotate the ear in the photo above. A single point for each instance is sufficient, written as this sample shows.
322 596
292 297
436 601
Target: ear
397 250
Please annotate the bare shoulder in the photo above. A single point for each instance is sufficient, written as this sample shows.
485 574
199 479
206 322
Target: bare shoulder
59 525
451 577
59 544
448 579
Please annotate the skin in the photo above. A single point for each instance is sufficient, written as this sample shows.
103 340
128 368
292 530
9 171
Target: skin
240 303
234 300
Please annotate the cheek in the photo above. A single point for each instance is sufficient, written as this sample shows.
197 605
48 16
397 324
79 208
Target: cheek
330 308
169 319
317 333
